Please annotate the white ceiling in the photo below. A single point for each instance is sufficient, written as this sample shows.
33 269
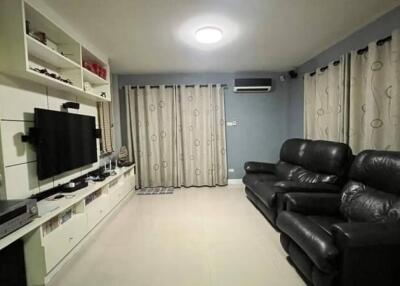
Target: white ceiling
157 36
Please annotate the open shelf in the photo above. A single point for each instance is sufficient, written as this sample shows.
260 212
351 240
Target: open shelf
99 97
93 78
51 82
61 55
44 53
89 56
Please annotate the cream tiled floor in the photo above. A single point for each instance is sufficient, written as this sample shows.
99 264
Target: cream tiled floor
205 237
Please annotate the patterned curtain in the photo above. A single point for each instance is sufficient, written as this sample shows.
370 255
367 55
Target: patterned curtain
375 96
326 102
104 112
151 115
177 135
201 135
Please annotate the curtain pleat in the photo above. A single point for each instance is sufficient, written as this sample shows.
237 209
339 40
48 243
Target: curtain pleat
177 135
105 124
357 101
375 97
326 103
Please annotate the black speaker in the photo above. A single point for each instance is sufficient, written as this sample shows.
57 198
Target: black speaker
293 74
70 104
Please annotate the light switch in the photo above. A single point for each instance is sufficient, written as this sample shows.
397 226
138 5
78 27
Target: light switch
231 123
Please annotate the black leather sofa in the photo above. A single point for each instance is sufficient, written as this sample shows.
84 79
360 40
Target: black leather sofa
352 238
304 166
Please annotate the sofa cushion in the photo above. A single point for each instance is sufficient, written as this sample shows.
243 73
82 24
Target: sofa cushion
315 241
377 169
284 170
301 175
361 203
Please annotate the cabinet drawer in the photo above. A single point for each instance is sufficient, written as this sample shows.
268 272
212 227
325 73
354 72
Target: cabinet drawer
58 243
96 210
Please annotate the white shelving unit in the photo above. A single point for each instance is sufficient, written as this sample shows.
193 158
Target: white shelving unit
63 225
44 53
20 53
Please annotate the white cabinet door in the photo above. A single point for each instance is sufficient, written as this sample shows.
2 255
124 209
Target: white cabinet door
96 210
59 242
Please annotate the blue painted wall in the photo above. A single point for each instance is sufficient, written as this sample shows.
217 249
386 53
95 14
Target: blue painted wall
262 118
378 29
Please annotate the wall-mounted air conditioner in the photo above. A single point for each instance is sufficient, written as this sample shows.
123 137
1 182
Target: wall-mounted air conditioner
252 85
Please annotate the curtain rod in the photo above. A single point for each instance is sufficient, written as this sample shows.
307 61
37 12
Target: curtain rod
171 86
360 52
335 63
379 43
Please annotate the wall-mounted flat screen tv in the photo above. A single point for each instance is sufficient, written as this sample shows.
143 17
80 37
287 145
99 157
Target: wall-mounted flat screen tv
64 141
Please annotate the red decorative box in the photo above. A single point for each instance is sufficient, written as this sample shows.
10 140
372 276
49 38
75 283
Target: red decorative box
95 68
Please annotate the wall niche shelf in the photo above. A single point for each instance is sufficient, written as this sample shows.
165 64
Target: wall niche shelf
56 62
93 78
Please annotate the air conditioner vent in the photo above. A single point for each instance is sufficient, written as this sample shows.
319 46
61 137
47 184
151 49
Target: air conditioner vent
259 85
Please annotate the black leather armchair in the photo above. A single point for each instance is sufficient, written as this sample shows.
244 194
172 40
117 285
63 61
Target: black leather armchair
351 239
304 166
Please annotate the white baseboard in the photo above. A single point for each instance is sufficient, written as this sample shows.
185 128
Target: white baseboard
235 182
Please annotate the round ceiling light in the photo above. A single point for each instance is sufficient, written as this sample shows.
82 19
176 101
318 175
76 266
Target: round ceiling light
208 35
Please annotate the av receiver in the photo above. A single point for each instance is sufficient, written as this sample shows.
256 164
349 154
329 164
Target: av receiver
15 214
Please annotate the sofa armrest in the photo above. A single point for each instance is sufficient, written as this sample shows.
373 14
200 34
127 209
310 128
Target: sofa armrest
279 189
293 187
366 234
259 167
369 253
312 203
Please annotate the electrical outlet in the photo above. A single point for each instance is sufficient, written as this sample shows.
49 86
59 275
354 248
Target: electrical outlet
231 170
231 123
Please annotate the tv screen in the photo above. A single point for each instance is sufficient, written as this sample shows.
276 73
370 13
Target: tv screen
64 141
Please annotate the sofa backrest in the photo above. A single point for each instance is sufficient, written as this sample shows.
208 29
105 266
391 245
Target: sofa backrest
290 158
307 161
373 192
326 157
292 151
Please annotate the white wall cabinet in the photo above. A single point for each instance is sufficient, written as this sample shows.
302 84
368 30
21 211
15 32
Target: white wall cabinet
21 53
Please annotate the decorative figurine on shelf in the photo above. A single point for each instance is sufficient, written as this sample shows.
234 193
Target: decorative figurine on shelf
40 36
123 157
88 87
